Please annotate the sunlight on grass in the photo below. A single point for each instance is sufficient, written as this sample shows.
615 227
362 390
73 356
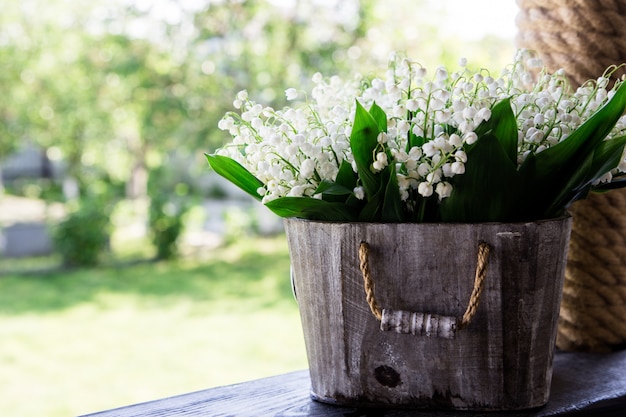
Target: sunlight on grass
88 340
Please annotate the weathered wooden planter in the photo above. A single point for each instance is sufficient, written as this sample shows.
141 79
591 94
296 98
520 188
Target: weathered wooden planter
438 349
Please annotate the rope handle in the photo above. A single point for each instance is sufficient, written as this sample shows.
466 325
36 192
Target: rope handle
424 323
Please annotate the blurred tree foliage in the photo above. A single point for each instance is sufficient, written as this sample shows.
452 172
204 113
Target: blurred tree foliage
117 88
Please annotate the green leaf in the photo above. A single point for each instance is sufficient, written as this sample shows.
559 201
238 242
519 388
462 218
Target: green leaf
346 176
310 208
575 187
607 157
415 140
332 188
505 128
379 116
550 174
363 141
371 211
342 187
392 205
489 188
234 172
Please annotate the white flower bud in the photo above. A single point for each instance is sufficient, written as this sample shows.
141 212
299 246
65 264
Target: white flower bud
417 130
434 177
403 127
441 74
430 149
257 123
412 105
247 116
380 163
443 190
411 164
291 150
470 138
298 139
455 140
425 189
296 191
226 123
317 78
527 78
291 94
437 104
534 63
423 169
483 114
458 168
242 95
328 170
415 153
469 113
307 168
458 105
401 156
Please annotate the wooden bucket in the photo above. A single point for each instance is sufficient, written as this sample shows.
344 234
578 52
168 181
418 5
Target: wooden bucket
426 280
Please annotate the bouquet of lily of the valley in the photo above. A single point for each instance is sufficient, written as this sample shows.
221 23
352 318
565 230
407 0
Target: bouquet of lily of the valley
417 147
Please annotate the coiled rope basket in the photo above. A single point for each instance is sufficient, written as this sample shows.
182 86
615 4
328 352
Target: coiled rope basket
585 37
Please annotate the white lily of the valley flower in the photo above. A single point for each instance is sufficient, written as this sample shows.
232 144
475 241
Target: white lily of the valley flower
425 189
432 119
291 94
359 193
457 168
443 190
381 162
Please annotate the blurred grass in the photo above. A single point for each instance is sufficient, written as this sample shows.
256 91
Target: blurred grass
80 341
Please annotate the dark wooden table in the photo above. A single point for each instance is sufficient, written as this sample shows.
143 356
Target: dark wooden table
583 384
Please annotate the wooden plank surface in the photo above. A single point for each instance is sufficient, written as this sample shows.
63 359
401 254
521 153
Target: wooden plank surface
582 385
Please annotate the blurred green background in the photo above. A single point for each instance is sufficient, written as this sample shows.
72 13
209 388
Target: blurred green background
128 271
